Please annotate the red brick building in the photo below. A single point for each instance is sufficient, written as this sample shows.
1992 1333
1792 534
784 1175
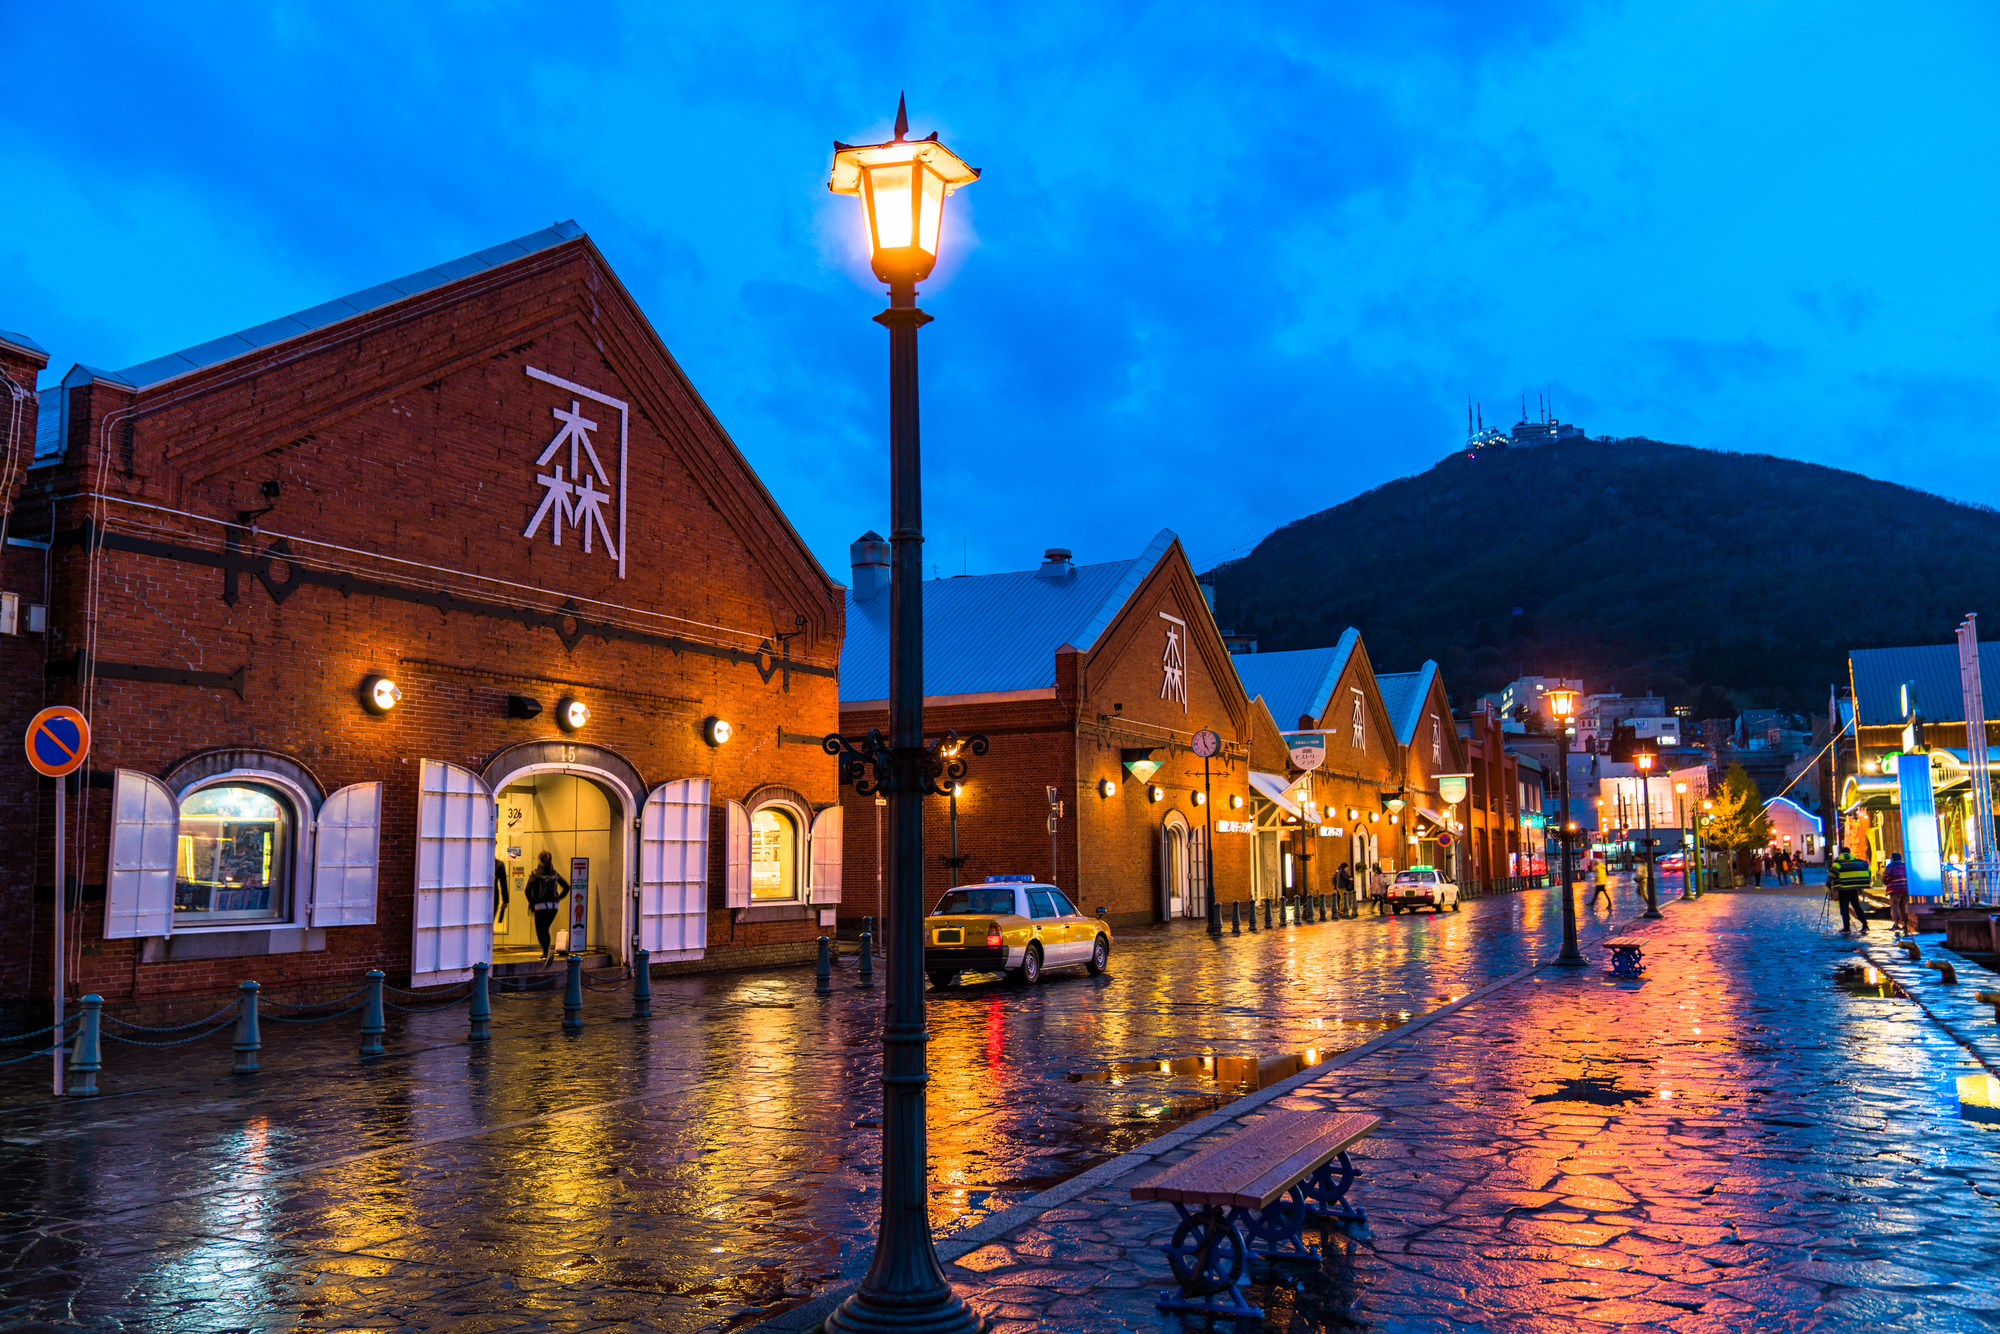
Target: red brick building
1090 682
1492 810
365 622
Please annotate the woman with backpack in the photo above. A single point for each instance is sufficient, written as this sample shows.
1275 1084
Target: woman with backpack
546 889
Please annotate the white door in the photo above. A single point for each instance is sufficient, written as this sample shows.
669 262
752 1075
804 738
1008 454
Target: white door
347 842
736 856
452 928
145 838
826 854
673 870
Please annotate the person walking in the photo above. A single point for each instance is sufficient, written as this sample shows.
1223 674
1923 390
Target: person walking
1601 880
546 889
1896 879
1847 876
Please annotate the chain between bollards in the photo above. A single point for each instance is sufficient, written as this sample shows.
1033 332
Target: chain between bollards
247 1042
824 985
867 977
479 1018
88 1057
642 985
573 996
371 1016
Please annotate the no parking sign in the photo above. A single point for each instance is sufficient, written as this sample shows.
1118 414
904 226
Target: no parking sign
58 741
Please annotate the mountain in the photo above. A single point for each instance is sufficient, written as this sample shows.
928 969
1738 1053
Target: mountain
1722 581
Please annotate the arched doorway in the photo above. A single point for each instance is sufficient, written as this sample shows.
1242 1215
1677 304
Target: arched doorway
1182 885
578 804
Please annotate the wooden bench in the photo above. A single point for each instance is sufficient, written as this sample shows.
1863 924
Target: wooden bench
1625 955
1254 1189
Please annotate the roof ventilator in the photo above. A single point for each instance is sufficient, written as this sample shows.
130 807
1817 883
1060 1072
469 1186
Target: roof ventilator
1055 564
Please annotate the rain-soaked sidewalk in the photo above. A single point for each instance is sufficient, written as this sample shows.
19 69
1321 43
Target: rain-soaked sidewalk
1758 1135
700 1170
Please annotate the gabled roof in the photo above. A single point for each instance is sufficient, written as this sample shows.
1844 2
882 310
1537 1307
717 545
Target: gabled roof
244 341
1403 696
1297 683
1879 674
988 633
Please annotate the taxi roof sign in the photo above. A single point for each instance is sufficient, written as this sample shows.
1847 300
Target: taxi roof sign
58 741
1010 880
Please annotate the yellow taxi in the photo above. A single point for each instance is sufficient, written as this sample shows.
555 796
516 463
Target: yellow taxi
1011 924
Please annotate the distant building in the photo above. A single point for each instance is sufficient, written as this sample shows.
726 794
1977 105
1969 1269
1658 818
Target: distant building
1542 430
1526 693
1240 643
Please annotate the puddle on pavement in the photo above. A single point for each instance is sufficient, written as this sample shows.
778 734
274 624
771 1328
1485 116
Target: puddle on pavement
1242 1074
1597 1092
1979 1098
1866 981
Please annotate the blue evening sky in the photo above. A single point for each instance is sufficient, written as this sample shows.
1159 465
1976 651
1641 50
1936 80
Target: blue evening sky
1228 265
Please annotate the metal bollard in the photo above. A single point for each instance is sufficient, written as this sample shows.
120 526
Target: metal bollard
1236 917
867 978
824 986
642 985
480 1016
247 1041
573 997
1253 917
1267 914
371 1015
87 1059
1214 918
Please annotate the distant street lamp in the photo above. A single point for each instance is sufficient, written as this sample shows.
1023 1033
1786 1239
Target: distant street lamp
1562 703
902 186
1687 843
1646 758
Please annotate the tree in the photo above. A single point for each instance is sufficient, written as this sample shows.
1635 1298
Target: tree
1738 821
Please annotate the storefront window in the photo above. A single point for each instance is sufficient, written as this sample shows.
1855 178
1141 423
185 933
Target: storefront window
235 856
774 854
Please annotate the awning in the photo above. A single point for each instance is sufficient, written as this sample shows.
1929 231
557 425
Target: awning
1274 788
1433 817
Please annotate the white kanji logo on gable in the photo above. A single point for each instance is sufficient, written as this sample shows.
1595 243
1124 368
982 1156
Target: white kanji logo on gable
577 491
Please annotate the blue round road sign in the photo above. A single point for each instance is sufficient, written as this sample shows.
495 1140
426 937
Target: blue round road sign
58 741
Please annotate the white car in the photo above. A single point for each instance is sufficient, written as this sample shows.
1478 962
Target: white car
1422 887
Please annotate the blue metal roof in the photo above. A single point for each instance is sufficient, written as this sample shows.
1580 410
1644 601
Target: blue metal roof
23 342
1879 674
330 312
987 633
1403 695
1297 683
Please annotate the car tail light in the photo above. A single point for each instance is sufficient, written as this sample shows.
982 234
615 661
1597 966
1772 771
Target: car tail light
993 941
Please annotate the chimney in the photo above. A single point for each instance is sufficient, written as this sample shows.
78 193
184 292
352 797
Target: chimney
870 555
1055 564
1206 582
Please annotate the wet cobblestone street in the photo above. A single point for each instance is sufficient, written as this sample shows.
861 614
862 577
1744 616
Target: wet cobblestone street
709 1166
1743 1140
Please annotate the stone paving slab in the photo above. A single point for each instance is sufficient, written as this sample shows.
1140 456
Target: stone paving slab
1733 1142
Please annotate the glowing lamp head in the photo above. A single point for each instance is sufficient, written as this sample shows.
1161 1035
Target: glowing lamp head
1235 801
379 694
1201 799
1154 793
902 186
1106 788
1680 786
716 731
1645 759
1562 703
571 714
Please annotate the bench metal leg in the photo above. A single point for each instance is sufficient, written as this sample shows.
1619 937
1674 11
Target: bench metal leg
1625 961
1278 1231
1326 1190
1211 1263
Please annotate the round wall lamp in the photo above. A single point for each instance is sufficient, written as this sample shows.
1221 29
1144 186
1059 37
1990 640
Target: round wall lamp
1374 817
1201 799
1235 801
716 732
571 713
1353 813
379 694
1106 788
1154 793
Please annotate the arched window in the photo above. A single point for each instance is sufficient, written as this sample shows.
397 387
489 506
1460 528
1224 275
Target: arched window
774 854
235 855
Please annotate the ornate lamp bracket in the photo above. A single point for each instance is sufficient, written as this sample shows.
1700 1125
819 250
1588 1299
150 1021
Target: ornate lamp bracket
872 765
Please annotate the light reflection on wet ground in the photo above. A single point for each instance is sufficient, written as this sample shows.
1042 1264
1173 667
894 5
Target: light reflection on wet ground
705 1167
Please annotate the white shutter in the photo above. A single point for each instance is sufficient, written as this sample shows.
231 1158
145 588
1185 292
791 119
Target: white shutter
452 927
145 847
736 857
346 850
673 870
826 828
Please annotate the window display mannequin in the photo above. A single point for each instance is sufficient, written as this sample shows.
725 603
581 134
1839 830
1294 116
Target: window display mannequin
544 898
499 891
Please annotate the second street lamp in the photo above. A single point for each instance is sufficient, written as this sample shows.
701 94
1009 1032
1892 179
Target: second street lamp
1562 703
1645 759
902 185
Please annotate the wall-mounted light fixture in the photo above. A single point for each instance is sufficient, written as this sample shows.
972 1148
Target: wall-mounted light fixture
523 706
1235 801
1139 761
1106 788
1353 813
1154 794
379 694
1374 817
1201 799
571 713
715 731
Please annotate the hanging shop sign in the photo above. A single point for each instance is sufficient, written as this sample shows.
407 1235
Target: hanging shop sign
577 489
1308 749
1451 788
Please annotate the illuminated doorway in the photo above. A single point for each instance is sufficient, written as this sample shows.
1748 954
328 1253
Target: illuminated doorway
580 823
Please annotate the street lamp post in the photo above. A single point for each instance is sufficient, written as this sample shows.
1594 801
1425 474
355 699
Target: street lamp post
902 186
1562 703
1652 886
1687 842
